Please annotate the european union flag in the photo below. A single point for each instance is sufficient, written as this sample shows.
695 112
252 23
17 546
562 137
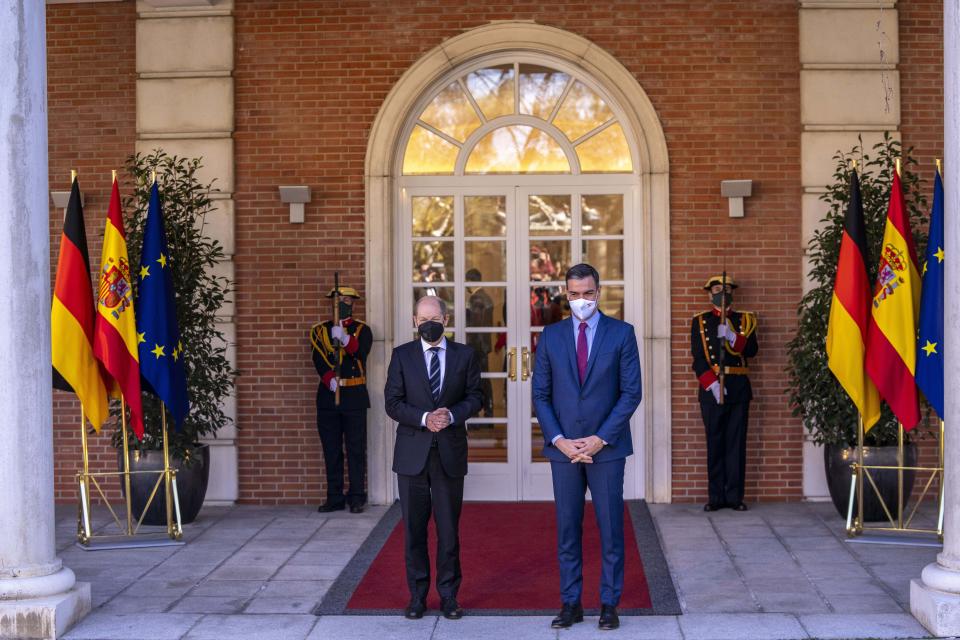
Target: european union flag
929 370
161 351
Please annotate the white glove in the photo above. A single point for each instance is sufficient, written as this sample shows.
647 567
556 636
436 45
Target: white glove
339 334
715 390
724 332
333 385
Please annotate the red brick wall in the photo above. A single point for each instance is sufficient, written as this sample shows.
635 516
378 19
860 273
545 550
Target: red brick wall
310 79
91 75
921 107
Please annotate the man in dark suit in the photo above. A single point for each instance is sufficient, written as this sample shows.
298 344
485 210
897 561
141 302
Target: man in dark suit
586 387
433 387
734 340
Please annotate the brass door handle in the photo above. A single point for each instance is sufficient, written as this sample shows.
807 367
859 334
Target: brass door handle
525 364
512 362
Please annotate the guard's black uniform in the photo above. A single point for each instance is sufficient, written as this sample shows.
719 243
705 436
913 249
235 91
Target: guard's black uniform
726 424
348 421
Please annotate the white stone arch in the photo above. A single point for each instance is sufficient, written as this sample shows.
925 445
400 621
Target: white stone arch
381 194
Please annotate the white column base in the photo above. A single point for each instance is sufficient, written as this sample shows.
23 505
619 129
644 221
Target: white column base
935 609
48 618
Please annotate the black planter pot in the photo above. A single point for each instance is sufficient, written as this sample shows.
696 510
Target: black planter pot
837 461
191 484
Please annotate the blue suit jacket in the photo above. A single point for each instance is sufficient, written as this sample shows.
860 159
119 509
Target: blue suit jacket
610 393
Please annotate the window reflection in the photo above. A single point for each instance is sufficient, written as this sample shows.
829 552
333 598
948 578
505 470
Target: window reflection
606 152
582 111
428 153
549 215
493 90
548 305
432 215
540 88
549 259
433 262
485 216
452 113
602 214
517 149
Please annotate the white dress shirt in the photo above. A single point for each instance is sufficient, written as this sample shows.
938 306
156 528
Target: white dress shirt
428 359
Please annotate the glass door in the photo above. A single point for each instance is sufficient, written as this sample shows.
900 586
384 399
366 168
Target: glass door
558 228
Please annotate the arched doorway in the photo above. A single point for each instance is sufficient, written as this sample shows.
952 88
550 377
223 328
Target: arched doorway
505 167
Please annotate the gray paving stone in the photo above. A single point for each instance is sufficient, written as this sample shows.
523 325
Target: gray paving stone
745 626
312 588
282 604
146 626
137 604
229 588
864 604
242 573
209 604
307 572
889 625
261 627
373 628
718 602
808 602
495 628
159 588
632 627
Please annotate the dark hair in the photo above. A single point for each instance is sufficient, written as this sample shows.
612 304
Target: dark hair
581 271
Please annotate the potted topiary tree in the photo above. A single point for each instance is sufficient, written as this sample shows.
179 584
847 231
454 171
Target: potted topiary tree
199 294
815 394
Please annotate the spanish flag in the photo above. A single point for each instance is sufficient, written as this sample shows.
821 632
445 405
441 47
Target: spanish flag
850 312
115 339
892 332
72 318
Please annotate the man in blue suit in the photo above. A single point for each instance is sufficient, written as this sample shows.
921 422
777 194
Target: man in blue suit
586 386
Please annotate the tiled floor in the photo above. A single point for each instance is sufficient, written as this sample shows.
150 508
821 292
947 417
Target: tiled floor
777 571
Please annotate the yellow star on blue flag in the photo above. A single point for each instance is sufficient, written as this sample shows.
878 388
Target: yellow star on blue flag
929 366
156 315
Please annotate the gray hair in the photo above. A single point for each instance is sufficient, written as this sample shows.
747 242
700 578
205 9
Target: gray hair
440 302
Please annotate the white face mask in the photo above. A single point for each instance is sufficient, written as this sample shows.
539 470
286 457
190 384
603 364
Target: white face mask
582 308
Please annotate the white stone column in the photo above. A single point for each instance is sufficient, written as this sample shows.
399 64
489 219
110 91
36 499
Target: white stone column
935 598
39 597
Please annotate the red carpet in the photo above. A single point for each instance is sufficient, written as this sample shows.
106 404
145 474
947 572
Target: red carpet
509 561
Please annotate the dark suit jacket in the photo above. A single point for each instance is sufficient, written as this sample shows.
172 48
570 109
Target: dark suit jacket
407 396
737 385
604 404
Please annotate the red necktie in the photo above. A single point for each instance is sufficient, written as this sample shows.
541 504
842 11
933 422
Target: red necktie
582 352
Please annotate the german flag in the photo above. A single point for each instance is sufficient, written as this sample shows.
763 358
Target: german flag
892 332
850 312
72 318
115 338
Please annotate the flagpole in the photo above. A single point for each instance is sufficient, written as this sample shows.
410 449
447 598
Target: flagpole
942 476
126 465
939 166
84 484
859 473
166 470
899 475
73 175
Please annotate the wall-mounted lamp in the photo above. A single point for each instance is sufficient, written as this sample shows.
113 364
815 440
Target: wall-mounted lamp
296 197
736 191
62 198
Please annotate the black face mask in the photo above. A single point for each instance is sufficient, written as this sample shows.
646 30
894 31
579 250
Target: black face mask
431 330
346 310
718 299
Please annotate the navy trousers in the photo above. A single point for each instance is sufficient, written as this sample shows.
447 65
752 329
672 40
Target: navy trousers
570 482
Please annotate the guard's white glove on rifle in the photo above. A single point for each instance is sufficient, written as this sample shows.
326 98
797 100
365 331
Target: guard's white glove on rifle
333 385
724 332
715 390
339 334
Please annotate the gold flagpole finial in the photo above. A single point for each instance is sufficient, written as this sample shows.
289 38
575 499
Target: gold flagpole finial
114 173
853 164
73 175
939 166
898 167
153 177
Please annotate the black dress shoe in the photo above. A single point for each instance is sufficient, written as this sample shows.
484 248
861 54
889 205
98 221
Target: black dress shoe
569 614
711 507
328 507
609 620
356 508
415 610
451 610
740 507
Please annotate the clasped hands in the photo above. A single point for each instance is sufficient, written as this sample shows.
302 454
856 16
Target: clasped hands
438 420
581 449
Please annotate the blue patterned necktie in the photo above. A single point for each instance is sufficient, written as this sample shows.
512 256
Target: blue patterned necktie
435 373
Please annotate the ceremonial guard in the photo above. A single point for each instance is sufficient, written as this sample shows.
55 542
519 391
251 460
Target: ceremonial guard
340 350
720 352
